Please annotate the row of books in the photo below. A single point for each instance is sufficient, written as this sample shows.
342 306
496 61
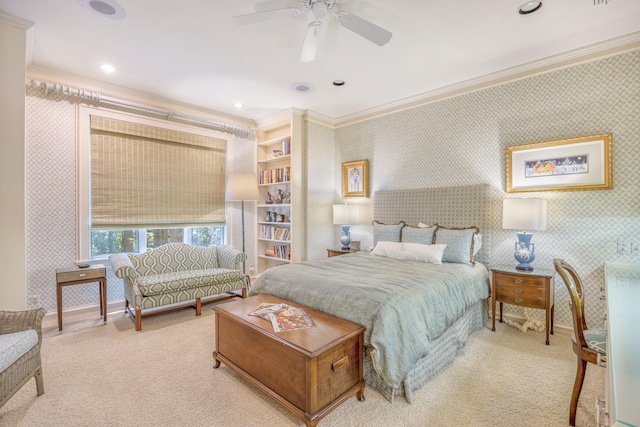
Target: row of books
279 251
271 176
275 233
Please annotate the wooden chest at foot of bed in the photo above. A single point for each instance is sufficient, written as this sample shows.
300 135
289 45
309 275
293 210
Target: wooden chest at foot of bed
309 371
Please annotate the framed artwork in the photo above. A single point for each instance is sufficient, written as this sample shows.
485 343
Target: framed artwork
355 179
565 165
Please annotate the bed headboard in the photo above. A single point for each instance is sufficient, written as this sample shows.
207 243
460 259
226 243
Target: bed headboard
448 206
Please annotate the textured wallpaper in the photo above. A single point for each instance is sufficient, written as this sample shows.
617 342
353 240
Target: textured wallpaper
462 141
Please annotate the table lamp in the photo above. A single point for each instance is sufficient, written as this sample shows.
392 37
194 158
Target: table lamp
345 215
524 214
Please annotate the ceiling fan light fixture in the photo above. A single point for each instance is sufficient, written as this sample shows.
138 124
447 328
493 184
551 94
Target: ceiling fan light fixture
529 7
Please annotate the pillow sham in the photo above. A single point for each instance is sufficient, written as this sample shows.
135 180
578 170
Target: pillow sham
477 238
410 251
459 243
422 235
386 232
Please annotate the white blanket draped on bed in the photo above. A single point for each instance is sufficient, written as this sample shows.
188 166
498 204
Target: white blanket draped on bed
404 305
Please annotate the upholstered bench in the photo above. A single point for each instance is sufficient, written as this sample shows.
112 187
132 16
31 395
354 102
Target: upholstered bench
177 272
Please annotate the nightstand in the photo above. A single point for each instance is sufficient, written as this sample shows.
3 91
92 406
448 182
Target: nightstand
533 289
337 252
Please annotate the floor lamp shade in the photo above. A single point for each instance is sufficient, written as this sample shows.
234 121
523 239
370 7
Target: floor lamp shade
524 214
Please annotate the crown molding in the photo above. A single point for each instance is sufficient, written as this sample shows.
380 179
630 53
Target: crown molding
586 54
21 23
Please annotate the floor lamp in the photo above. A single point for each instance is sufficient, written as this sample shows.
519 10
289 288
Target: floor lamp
242 186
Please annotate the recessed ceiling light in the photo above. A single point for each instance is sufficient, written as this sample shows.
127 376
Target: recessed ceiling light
302 87
109 9
108 68
238 104
338 82
529 7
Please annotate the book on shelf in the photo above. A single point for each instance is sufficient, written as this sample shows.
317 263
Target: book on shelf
286 147
278 251
283 317
275 233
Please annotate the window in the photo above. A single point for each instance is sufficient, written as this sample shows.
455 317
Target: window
105 242
145 182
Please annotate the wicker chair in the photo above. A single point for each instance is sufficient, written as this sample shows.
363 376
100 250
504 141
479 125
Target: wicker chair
28 365
590 345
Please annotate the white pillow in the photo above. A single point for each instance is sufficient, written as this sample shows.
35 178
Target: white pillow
477 238
410 251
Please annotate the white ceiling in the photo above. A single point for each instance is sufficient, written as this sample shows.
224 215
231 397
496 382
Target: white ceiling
190 51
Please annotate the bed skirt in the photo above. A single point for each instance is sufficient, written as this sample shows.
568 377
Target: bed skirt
443 352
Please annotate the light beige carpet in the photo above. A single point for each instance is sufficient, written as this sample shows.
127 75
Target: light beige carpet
97 374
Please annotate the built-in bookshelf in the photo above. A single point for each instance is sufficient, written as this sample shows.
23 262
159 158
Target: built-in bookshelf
277 157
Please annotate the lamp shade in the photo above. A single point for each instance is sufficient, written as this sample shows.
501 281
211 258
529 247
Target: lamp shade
346 214
242 186
524 214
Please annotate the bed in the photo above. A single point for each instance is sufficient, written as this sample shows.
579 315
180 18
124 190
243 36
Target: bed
417 314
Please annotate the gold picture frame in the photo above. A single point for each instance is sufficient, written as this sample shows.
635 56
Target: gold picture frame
574 164
355 179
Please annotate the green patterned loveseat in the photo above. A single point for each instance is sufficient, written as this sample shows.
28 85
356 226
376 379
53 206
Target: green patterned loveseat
178 272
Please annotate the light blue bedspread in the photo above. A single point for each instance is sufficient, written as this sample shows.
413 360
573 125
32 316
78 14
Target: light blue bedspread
404 305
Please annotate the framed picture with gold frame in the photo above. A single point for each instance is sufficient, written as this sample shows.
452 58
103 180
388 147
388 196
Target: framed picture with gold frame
355 179
573 164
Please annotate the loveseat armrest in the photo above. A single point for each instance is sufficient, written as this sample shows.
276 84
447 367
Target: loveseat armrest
122 266
17 321
229 257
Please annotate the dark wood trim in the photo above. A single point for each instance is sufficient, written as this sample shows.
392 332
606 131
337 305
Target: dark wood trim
138 316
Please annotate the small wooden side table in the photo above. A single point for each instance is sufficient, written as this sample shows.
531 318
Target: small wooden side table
76 276
337 252
532 289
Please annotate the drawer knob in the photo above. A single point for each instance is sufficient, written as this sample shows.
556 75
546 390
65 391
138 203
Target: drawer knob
518 291
82 275
518 281
519 300
336 366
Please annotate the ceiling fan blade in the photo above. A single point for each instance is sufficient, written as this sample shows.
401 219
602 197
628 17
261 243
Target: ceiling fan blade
364 28
310 46
252 18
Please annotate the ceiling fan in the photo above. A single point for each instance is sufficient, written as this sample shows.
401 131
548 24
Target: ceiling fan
319 9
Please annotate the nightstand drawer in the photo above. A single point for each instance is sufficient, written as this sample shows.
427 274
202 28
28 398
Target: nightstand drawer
520 289
522 300
520 281
83 274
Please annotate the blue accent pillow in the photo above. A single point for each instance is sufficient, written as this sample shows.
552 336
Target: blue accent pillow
423 235
459 243
386 232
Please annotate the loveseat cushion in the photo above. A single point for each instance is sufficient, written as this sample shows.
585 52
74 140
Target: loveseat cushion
14 345
179 280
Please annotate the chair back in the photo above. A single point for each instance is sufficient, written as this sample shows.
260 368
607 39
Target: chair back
576 298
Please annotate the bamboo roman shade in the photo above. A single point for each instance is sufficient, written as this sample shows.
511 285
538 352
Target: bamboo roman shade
150 177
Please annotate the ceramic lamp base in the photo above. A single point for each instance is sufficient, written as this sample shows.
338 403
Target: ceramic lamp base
345 238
